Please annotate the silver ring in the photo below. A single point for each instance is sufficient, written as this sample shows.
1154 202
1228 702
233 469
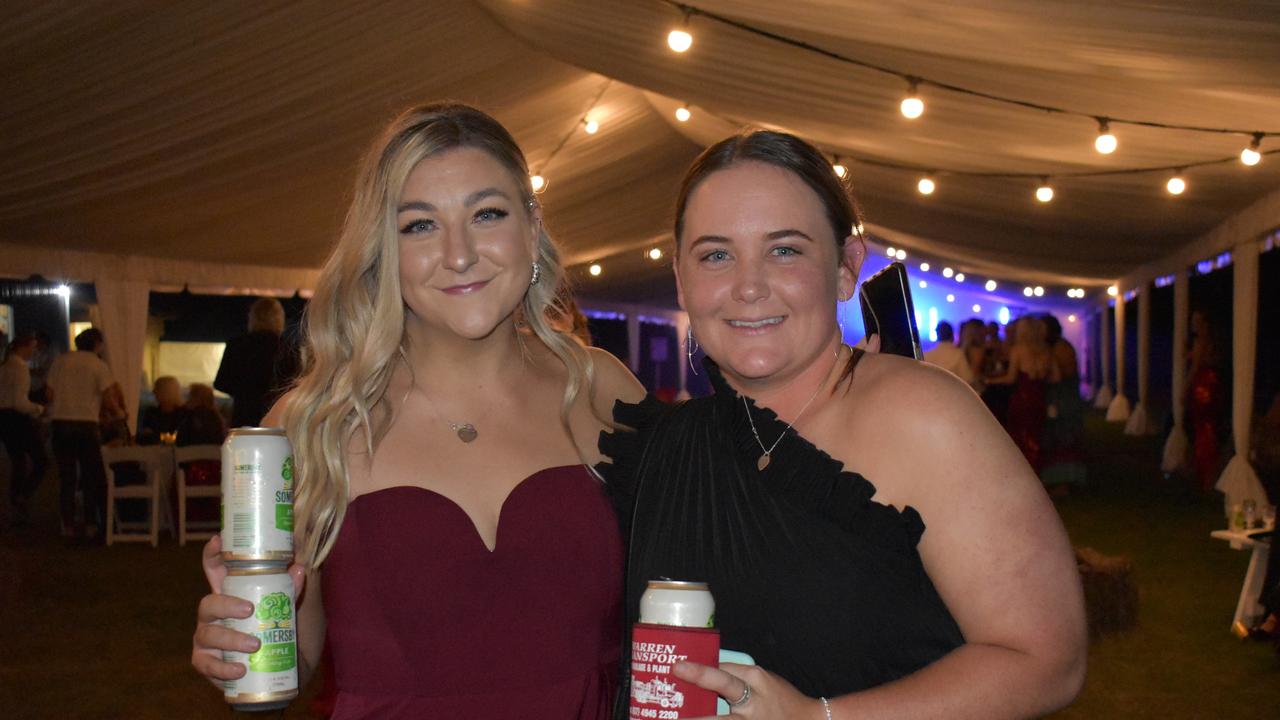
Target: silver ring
746 695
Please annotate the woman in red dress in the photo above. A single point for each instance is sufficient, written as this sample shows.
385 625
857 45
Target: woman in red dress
1204 402
1031 370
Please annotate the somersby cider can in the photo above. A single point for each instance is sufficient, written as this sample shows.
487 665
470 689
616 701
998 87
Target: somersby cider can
677 622
257 497
271 673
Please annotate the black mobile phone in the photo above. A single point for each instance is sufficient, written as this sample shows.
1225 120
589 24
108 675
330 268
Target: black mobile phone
887 311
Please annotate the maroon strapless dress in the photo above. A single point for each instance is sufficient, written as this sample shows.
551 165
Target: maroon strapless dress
425 622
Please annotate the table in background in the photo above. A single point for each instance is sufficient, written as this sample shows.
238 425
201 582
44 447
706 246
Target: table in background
1247 607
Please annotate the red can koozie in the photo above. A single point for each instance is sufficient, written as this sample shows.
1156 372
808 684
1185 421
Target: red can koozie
656 694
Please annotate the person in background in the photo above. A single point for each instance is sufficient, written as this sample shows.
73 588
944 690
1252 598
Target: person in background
872 538
166 415
948 356
258 367
201 422
78 382
1064 457
19 426
1205 398
40 364
1265 458
1030 371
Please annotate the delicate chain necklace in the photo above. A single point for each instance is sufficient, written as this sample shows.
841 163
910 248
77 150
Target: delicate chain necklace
466 431
763 462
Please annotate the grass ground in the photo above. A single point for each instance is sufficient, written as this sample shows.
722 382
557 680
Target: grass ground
105 633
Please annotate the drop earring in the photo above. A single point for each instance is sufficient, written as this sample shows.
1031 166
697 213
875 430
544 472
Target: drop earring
690 347
537 273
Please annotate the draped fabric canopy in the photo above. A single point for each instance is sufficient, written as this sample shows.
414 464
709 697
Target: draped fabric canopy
227 133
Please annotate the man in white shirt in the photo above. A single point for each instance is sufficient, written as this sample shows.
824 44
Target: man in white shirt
18 426
77 382
949 357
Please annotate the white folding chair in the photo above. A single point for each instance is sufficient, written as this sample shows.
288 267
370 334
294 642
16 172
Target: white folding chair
203 529
155 469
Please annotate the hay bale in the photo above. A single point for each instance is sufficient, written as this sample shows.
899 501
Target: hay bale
1110 591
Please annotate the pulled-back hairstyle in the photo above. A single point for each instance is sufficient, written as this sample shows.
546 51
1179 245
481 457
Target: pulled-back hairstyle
784 151
790 153
355 321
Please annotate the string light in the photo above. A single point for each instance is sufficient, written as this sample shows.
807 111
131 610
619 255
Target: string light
1044 193
900 254
926 186
655 254
1105 143
840 169
1039 291
924 267
990 286
683 114
977 307
924 284
595 269
591 126
679 40
1113 291
912 106
947 272
959 277
1176 185
891 252
1071 318
951 298
1250 155
537 182
1026 292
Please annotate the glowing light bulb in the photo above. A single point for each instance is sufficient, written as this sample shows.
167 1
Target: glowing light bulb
679 40
1039 291
923 284
891 252
1044 193
990 286
537 182
912 106
1026 292
951 298
1071 318
924 267
1105 143
683 114
62 291
841 170
1250 155
591 126
1176 185
947 272
959 277
926 186
595 270
655 254
900 254
1113 291
977 307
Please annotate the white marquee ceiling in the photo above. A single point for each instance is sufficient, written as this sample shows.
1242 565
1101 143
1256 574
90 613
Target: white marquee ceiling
227 132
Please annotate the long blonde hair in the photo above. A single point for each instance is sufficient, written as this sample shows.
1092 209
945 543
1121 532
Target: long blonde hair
355 321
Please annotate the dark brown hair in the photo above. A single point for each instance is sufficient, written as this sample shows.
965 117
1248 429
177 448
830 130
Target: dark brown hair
781 150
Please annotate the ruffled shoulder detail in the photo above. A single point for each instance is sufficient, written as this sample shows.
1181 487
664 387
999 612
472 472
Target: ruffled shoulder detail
813 479
625 446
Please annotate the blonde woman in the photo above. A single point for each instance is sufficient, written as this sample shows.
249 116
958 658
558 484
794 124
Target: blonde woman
459 556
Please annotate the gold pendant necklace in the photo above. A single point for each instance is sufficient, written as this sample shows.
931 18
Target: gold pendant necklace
767 453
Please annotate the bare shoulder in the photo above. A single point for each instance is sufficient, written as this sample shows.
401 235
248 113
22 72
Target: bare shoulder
613 380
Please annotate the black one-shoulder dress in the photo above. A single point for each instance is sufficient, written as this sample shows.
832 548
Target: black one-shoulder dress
819 583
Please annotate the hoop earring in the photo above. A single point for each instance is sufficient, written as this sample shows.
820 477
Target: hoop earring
537 274
690 347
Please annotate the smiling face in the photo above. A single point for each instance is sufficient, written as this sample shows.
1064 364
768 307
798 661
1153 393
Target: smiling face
759 272
466 244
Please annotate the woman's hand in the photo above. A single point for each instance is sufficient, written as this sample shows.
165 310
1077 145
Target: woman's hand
211 637
770 697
